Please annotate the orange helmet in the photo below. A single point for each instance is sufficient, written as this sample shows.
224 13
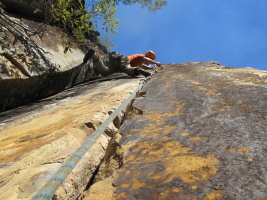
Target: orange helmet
151 55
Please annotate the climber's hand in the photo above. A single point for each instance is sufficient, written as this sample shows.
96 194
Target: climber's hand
159 65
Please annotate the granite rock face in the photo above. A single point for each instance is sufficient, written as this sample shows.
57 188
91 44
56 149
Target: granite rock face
28 7
202 135
33 63
36 139
195 131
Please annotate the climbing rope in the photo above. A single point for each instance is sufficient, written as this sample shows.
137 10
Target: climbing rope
47 192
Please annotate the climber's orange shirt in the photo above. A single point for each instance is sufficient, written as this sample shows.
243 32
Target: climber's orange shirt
136 59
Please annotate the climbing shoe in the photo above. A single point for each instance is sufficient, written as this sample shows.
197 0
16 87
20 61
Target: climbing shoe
144 72
88 55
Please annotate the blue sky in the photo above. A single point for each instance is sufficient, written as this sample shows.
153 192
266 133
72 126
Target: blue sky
231 32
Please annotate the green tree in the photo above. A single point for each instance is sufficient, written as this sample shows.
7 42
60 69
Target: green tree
104 10
151 5
103 14
82 17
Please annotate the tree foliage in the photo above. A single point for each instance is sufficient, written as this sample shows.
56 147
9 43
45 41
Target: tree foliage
82 17
103 12
151 5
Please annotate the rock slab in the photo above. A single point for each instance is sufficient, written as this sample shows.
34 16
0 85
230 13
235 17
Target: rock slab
202 135
36 139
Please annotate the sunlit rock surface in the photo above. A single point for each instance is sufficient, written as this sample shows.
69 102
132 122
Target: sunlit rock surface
36 139
33 60
196 131
202 135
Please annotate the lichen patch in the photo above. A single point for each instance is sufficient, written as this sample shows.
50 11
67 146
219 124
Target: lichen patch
178 160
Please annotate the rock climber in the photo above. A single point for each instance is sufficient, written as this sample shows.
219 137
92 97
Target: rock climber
120 63
143 60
